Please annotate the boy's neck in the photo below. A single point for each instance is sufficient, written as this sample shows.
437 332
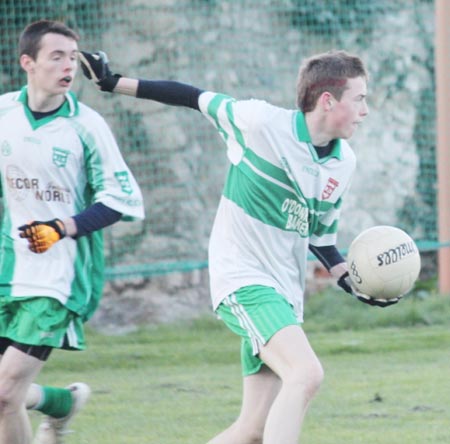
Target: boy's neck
41 102
316 128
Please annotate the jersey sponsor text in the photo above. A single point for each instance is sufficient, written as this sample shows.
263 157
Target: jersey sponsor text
54 193
297 216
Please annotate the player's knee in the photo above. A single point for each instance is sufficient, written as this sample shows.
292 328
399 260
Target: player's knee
253 435
317 378
8 402
257 432
249 430
305 378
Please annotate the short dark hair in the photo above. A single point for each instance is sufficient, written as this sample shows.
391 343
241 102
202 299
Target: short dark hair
326 72
31 36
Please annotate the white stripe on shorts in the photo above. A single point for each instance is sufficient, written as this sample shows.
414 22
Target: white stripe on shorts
245 322
71 334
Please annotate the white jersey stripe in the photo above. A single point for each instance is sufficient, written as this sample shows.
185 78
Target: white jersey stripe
267 177
245 322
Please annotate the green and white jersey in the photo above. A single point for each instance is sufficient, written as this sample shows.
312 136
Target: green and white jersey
278 197
57 166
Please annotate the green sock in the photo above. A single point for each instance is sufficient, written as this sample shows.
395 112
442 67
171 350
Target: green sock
55 402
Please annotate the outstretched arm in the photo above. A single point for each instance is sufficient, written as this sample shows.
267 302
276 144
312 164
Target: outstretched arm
41 235
95 67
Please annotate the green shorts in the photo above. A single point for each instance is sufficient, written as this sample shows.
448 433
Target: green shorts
255 313
40 321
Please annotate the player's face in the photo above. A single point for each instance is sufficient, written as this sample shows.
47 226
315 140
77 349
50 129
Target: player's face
350 111
55 66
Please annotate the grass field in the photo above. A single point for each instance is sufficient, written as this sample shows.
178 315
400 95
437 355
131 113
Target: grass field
387 377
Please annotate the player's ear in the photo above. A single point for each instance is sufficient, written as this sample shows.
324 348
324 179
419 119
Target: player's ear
326 101
27 63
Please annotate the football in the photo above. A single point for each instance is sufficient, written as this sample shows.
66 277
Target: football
383 262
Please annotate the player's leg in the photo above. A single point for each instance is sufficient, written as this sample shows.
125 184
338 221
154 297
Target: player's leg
17 371
259 391
59 405
56 402
273 409
33 397
46 318
289 354
257 314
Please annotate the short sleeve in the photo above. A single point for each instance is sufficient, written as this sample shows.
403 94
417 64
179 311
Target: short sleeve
112 182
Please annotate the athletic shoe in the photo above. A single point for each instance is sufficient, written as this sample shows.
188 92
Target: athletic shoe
52 430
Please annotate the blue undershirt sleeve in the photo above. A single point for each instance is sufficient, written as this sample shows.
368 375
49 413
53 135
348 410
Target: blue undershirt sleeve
329 255
94 218
169 92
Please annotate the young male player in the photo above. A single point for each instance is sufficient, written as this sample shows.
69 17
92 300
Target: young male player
289 171
63 179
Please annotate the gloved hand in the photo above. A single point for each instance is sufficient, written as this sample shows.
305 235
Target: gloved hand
42 235
345 283
95 66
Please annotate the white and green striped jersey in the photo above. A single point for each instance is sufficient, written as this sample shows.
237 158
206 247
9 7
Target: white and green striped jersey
279 196
57 166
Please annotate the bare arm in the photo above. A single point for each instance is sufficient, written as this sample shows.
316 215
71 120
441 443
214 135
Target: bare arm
127 86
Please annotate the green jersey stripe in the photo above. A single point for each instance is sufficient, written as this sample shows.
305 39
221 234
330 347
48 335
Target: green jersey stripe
213 109
248 194
91 152
278 176
237 133
272 202
323 229
266 201
268 177
8 258
269 168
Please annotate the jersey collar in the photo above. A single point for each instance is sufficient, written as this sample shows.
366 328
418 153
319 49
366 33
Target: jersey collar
302 134
68 109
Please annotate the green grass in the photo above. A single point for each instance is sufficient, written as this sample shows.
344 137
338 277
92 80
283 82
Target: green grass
387 377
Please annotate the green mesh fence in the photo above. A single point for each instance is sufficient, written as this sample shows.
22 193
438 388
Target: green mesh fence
248 48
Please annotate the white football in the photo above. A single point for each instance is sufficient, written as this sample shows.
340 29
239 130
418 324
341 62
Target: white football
383 262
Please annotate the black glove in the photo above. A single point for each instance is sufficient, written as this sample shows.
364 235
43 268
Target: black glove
345 283
95 67
42 235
